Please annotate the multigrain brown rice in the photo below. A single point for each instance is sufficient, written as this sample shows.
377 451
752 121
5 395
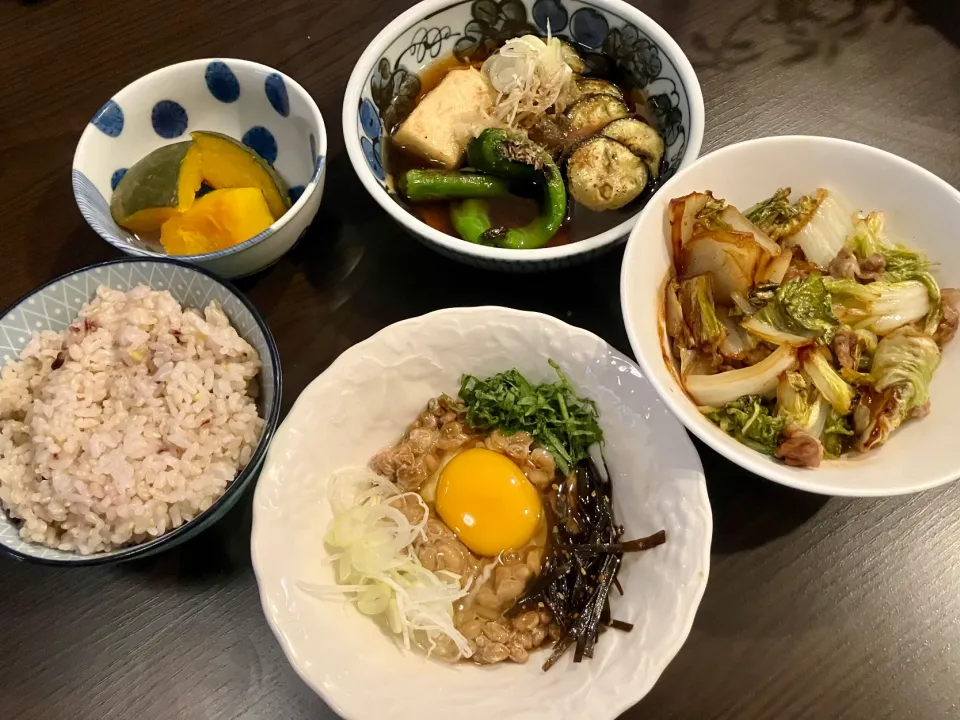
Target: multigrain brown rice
127 424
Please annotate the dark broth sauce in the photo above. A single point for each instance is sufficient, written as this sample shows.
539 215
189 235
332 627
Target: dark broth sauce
514 210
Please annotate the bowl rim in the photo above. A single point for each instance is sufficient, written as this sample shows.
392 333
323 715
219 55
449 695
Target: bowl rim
682 406
684 627
242 478
425 9
295 208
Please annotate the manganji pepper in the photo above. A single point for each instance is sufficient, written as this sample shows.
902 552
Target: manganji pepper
511 157
426 185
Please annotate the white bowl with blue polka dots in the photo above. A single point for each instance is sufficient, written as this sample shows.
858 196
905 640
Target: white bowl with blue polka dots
253 103
55 305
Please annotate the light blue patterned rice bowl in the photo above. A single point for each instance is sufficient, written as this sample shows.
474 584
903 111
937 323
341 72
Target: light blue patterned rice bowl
54 307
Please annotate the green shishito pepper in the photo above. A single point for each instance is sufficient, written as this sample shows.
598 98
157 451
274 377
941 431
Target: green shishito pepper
426 185
505 155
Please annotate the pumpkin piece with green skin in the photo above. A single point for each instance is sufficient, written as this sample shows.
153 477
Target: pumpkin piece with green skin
159 186
226 163
218 220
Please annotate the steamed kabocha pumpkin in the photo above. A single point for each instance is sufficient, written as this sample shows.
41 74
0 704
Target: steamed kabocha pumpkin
159 186
160 193
217 220
226 163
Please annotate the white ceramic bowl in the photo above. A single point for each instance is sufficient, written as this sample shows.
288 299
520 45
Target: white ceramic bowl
258 105
921 210
384 84
364 402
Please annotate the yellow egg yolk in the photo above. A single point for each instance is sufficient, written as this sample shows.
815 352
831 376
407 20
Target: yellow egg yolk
488 502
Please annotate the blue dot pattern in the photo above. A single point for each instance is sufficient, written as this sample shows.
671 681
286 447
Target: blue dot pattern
221 82
261 140
589 27
295 192
277 94
169 119
117 177
109 119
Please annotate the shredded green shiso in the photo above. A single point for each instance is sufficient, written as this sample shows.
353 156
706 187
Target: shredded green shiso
563 422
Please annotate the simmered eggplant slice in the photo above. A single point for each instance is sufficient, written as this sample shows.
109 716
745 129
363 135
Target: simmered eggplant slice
592 112
604 174
643 140
597 86
572 58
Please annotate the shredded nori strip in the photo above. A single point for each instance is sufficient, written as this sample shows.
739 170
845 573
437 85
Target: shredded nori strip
658 538
586 552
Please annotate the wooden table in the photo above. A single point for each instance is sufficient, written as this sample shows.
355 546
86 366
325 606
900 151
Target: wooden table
816 608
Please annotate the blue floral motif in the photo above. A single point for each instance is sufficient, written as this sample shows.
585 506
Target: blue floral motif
493 23
369 120
221 82
550 14
589 28
394 91
371 151
372 128
261 140
295 192
169 119
109 119
668 115
277 94
636 55
117 177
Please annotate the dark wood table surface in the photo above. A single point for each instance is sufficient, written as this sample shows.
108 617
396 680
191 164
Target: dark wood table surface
816 607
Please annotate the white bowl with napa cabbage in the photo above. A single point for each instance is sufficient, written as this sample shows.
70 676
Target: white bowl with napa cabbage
364 402
920 210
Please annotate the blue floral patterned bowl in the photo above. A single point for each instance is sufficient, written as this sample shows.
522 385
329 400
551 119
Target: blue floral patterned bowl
384 85
55 305
263 108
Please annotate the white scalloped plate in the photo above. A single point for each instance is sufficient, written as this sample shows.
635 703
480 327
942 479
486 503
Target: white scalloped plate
363 402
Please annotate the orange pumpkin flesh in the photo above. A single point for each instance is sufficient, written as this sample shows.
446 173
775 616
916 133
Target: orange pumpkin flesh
218 220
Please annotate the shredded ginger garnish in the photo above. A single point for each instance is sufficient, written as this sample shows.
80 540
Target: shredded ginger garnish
530 77
376 563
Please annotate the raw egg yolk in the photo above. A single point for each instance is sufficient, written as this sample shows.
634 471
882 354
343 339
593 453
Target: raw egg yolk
488 502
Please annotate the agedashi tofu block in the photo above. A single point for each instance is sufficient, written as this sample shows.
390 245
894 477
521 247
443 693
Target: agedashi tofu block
440 125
